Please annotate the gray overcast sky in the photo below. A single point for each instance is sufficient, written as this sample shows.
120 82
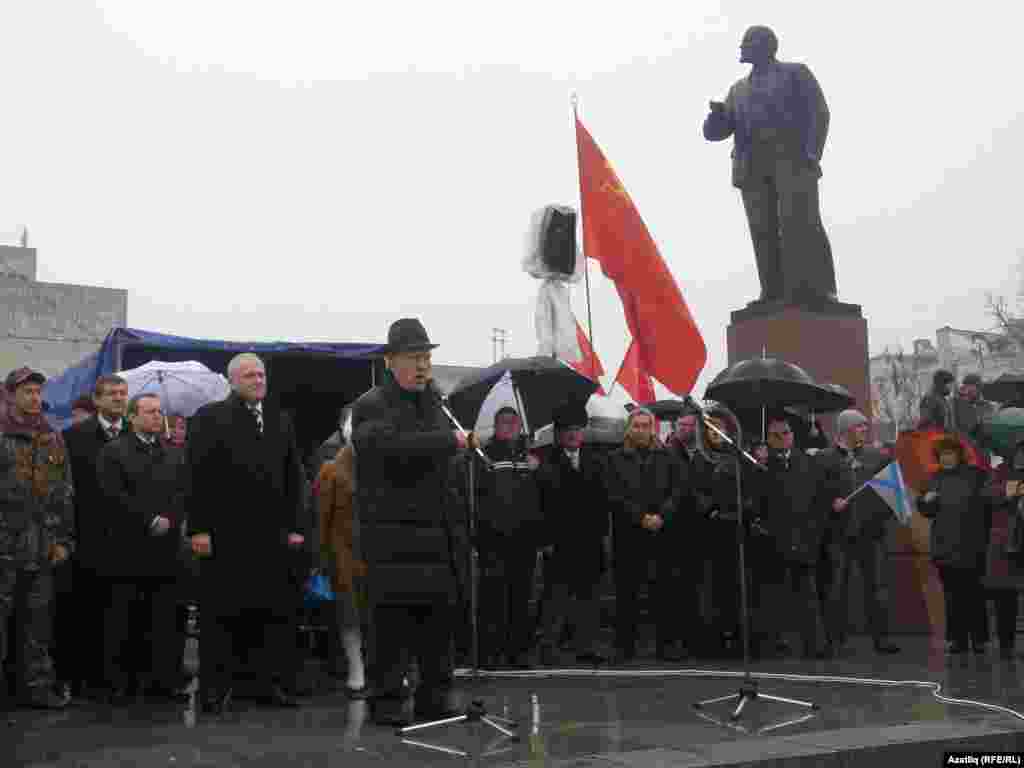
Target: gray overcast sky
313 170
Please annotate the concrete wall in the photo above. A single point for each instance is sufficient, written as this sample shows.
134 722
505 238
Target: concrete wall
52 325
18 262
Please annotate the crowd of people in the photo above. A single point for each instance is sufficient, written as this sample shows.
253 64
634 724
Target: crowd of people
105 528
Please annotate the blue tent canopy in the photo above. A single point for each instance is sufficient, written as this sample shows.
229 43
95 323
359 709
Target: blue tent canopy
341 370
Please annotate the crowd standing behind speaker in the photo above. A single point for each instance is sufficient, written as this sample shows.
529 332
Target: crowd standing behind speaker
128 513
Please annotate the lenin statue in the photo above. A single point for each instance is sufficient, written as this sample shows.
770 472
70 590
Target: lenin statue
779 121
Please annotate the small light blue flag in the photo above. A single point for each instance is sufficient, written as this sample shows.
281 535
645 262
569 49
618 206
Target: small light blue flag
889 485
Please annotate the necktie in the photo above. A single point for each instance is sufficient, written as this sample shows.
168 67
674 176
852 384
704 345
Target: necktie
114 431
258 413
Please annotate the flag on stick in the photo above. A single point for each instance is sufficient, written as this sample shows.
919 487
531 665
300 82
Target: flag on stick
889 485
669 344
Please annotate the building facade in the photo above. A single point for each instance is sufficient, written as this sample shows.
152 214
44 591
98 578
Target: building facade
900 379
51 326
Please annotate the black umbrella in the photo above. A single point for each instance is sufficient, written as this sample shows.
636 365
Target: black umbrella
843 400
541 384
1008 388
767 382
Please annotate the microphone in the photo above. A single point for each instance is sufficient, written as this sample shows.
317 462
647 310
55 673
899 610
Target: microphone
434 390
442 402
733 443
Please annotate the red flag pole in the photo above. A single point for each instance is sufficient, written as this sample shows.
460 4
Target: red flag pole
586 265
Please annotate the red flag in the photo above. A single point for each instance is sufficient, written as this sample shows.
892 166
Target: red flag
589 364
634 378
670 345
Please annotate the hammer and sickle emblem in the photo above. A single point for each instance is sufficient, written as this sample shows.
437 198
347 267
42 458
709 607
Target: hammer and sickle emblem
614 186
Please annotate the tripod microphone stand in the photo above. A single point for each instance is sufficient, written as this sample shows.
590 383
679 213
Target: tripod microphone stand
476 712
748 691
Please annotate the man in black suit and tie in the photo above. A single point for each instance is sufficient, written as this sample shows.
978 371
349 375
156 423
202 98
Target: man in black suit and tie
80 653
244 514
143 485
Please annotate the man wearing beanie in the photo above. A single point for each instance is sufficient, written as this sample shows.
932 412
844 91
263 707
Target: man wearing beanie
856 531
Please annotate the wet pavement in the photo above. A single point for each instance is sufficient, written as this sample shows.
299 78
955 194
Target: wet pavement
617 716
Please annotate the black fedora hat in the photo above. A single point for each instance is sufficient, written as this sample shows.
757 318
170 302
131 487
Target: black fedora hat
407 335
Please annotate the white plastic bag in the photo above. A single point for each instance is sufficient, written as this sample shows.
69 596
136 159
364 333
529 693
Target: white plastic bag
555 323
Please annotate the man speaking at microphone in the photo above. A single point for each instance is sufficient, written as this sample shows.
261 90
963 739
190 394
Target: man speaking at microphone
412 531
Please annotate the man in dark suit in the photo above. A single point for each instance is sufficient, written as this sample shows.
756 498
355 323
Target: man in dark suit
142 482
574 502
412 532
857 530
80 653
695 559
789 502
645 490
245 517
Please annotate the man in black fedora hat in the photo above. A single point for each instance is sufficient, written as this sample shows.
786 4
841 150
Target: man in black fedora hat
412 533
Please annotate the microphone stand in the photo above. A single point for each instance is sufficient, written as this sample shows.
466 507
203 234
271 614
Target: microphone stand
476 712
748 691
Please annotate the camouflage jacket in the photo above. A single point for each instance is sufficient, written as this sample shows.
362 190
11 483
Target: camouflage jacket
35 498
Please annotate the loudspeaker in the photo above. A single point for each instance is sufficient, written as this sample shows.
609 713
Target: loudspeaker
558 240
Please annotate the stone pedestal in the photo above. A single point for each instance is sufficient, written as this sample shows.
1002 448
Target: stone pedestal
830 342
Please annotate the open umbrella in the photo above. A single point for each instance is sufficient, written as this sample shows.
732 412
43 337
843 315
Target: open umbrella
915 451
1003 431
1008 388
606 424
767 382
539 385
183 388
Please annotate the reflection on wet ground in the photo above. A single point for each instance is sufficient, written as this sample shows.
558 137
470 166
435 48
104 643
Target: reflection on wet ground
558 717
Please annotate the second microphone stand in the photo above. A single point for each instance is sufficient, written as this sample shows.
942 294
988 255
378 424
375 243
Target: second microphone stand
748 691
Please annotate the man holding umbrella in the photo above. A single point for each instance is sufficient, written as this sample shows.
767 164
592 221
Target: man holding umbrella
412 531
789 498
